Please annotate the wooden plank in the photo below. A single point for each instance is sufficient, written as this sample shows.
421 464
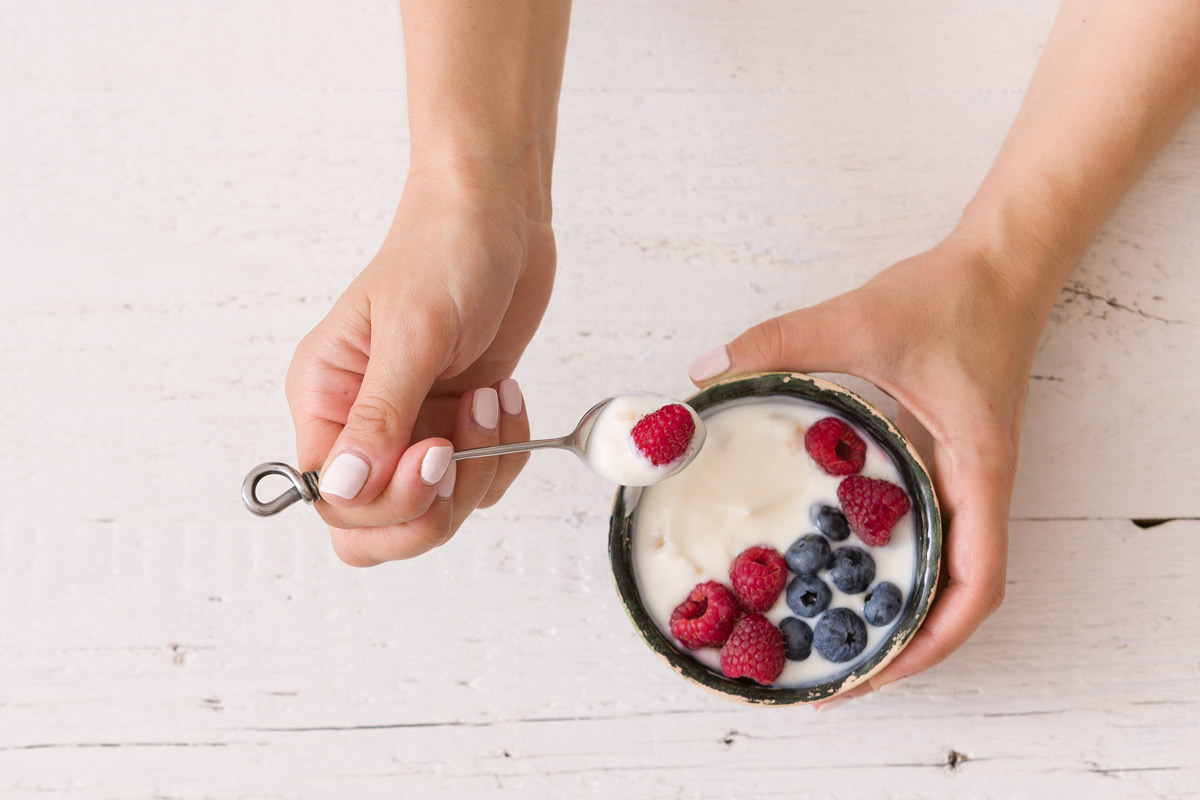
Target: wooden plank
190 185
231 679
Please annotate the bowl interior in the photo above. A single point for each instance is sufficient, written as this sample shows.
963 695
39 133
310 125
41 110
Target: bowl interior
927 524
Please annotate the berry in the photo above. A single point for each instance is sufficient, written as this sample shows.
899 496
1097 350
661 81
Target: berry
808 555
831 522
851 569
835 446
808 595
758 576
872 507
882 604
706 617
664 435
840 635
754 650
797 638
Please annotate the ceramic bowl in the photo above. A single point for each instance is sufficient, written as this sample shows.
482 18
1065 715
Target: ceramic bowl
928 529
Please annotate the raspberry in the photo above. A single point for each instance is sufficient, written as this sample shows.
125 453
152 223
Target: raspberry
758 576
664 435
754 650
872 507
706 617
835 446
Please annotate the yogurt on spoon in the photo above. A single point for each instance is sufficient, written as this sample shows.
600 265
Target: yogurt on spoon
640 438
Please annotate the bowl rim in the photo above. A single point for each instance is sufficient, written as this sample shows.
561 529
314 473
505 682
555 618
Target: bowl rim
928 527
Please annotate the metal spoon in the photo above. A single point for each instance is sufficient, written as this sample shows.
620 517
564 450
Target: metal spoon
304 485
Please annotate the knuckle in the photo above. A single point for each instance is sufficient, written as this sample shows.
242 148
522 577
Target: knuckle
295 375
374 417
767 342
434 536
937 648
993 597
348 546
492 496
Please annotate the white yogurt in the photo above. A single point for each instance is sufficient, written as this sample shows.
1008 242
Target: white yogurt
611 452
754 484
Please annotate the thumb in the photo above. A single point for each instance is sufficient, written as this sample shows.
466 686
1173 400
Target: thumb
400 371
823 338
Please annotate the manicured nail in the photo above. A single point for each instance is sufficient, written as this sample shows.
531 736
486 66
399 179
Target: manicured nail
446 484
510 397
345 477
879 687
832 704
433 465
485 408
710 365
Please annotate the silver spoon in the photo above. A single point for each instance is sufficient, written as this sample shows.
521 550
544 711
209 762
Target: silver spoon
304 485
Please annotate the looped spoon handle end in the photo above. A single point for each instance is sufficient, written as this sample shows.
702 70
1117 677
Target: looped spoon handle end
304 487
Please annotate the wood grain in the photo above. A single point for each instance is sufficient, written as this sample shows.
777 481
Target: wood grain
187 186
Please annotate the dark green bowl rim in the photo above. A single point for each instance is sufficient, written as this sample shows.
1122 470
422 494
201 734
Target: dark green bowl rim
928 531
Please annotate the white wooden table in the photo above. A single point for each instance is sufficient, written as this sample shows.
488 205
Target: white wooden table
186 186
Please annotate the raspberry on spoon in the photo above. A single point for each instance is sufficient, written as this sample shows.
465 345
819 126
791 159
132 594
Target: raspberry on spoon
665 434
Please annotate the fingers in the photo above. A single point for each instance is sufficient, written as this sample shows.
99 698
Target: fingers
514 427
402 367
829 337
975 558
367 547
429 495
420 473
477 425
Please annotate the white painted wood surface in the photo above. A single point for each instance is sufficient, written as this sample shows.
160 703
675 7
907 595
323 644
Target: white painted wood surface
186 186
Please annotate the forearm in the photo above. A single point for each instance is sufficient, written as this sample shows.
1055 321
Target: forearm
1116 80
483 85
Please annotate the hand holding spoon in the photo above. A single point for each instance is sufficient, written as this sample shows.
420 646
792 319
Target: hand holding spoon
670 435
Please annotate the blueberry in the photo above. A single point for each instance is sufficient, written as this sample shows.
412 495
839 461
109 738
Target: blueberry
797 638
851 569
831 522
808 555
882 604
840 635
808 595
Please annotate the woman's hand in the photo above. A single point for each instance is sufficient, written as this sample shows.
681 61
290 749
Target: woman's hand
414 359
951 333
946 336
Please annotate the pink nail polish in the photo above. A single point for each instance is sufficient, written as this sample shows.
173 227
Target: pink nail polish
446 486
485 408
434 463
710 365
345 476
829 705
510 397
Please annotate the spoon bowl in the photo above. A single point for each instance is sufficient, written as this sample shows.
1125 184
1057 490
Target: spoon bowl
602 440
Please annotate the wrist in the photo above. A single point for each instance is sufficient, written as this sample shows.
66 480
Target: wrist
1025 245
517 172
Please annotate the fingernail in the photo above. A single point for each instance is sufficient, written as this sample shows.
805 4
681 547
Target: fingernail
510 397
832 704
433 465
485 408
710 365
345 477
446 484
879 687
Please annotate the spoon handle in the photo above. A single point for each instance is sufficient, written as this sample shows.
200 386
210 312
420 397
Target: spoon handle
514 447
